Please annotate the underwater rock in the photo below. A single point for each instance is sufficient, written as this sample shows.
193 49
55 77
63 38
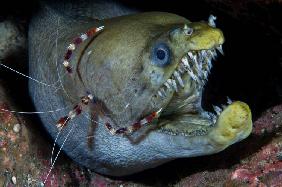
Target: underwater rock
263 168
12 40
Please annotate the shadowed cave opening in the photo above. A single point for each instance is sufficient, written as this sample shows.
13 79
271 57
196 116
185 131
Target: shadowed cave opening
250 71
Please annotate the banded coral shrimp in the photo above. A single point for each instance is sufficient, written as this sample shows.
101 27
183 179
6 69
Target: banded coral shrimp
76 110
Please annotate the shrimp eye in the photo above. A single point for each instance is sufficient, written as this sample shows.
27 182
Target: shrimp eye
160 55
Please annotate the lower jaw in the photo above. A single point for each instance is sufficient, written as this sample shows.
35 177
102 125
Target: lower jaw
186 125
232 125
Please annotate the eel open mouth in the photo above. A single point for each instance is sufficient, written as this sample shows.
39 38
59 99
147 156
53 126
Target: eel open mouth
184 114
185 87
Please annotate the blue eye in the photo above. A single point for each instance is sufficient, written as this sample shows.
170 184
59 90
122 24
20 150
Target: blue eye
160 55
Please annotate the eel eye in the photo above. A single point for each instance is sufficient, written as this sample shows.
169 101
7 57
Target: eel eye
161 55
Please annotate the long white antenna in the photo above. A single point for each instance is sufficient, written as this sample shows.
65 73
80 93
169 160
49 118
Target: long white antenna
38 112
43 83
52 166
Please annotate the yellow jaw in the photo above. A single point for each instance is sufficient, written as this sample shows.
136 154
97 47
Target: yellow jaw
233 124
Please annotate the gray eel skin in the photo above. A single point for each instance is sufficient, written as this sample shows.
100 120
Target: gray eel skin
121 69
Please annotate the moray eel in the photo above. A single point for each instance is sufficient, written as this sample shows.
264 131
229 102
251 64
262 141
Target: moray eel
139 63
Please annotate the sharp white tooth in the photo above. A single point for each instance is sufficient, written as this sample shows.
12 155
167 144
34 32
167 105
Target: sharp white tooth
223 107
209 62
212 117
205 115
163 92
195 59
169 81
198 67
186 64
205 75
188 68
192 57
181 82
160 94
220 49
211 21
185 61
209 52
229 101
181 68
194 77
217 109
174 85
167 85
200 62
196 62
214 54
204 54
176 74
203 82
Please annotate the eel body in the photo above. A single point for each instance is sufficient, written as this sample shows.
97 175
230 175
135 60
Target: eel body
138 64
